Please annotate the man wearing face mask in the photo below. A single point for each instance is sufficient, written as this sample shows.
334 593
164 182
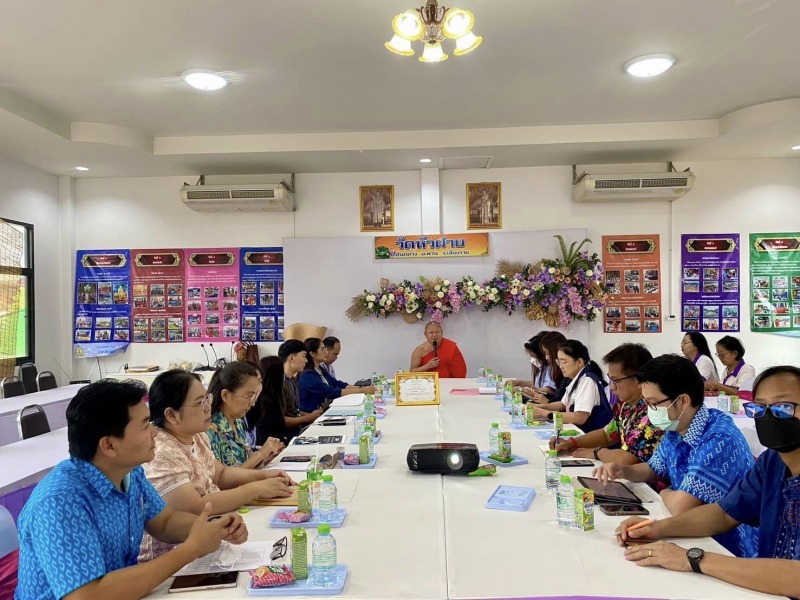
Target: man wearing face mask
702 455
768 497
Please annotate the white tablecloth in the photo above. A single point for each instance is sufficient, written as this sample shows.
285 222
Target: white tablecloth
413 535
53 401
28 461
148 378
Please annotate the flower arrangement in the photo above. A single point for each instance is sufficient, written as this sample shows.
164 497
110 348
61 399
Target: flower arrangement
556 291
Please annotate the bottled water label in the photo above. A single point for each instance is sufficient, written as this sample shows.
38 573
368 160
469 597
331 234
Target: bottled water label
323 561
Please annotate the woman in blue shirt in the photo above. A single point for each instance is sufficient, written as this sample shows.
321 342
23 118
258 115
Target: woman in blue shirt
317 386
768 497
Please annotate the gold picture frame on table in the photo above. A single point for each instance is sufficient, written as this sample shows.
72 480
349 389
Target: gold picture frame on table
416 389
377 207
484 206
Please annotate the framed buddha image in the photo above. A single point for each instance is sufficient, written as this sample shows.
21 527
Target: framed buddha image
377 207
484 206
416 389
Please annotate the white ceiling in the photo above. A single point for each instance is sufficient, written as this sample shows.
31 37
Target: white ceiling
313 89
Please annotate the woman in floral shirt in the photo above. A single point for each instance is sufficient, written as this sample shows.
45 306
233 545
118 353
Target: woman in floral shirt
234 390
629 438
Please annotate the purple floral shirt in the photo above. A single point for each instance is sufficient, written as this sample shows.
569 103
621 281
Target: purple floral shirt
631 428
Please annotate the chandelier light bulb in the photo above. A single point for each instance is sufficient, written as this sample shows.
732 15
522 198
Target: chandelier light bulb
399 45
650 66
408 25
433 53
457 23
467 43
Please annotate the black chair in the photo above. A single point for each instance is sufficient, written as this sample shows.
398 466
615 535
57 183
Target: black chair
12 386
28 372
32 421
46 381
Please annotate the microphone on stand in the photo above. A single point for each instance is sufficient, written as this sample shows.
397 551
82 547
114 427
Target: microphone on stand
208 365
435 349
217 362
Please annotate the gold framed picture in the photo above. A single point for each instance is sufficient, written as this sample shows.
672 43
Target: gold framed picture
484 206
416 389
377 207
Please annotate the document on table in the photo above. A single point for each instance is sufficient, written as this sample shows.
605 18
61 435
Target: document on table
230 557
348 401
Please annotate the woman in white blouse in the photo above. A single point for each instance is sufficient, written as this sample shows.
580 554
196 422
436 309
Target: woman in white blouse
695 347
730 352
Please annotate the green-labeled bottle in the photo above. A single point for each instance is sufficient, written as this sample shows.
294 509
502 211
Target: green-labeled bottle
299 553
303 497
363 448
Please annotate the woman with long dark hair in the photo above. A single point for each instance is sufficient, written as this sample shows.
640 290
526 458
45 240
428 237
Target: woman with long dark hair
266 416
317 386
540 380
584 402
695 347
549 343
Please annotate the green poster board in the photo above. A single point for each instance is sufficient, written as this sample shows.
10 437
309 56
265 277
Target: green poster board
775 282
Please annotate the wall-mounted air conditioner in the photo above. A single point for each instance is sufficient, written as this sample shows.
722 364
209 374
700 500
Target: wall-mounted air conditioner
245 197
632 186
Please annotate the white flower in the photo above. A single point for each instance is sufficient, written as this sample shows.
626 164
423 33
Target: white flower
419 315
371 298
437 288
472 295
492 297
389 299
438 305
382 301
596 311
514 291
551 270
370 305
446 282
589 273
526 292
440 294
494 290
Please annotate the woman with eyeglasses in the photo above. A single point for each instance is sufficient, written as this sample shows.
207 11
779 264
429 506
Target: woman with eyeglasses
184 470
730 353
234 390
584 402
694 346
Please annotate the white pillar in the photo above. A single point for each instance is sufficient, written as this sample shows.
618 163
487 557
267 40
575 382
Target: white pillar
431 203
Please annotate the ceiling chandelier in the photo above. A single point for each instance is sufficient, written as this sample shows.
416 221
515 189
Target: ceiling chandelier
432 24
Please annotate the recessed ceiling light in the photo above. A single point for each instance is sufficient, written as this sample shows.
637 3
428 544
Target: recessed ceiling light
650 65
202 79
796 147
81 168
425 160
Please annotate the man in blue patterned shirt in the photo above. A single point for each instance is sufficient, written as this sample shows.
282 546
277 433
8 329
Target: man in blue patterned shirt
768 497
80 531
702 455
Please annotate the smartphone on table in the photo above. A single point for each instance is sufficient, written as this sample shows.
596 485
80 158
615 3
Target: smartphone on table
576 462
623 510
206 581
296 459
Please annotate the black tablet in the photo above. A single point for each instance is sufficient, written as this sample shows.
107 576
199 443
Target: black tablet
613 492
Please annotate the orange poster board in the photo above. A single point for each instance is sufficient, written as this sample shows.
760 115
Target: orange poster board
633 278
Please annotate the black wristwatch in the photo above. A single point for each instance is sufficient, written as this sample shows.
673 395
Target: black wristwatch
549 416
597 453
695 555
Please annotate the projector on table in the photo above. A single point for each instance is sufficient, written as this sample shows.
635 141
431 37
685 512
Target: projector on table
443 458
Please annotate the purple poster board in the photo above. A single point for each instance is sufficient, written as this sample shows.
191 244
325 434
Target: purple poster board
710 282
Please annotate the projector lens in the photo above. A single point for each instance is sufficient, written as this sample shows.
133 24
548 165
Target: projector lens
455 461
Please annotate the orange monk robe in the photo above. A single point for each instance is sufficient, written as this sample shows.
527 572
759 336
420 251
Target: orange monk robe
451 362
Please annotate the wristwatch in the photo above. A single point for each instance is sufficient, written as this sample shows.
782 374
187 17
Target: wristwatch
695 555
549 416
597 453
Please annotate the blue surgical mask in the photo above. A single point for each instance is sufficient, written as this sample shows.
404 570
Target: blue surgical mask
660 418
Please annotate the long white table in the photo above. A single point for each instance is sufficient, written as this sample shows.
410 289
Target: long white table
149 378
53 401
412 535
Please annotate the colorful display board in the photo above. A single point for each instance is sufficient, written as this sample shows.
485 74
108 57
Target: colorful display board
775 282
177 295
262 294
710 286
157 281
102 302
633 280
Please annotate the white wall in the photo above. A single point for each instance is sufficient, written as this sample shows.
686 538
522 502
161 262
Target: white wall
739 196
31 196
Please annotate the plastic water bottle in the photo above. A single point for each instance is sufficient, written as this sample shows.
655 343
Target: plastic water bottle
385 389
378 395
498 390
723 404
565 502
328 499
375 379
323 558
481 375
399 370
516 409
508 396
489 378
369 433
552 471
369 406
360 423
494 439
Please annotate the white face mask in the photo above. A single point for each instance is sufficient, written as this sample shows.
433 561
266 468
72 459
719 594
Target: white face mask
535 362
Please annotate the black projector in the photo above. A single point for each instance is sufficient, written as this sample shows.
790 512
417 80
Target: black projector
443 458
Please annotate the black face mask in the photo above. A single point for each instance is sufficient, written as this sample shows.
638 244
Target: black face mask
781 435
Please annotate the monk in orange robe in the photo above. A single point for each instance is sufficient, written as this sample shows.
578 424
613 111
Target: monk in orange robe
438 354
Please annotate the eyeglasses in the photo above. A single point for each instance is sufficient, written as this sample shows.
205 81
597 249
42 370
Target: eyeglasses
781 410
279 549
563 361
721 355
660 404
616 381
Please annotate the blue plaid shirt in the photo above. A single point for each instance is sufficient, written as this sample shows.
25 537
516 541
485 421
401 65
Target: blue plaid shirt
707 462
77 526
